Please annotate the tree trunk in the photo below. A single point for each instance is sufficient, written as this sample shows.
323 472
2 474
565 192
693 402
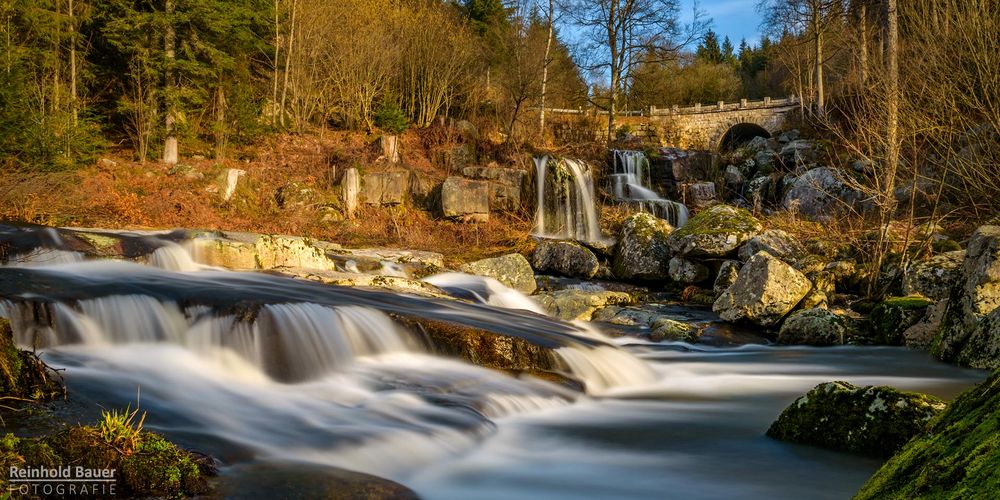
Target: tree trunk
277 45
288 61
545 70
892 81
72 65
820 104
169 46
863 28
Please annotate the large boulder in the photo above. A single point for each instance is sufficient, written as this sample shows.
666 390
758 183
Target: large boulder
892 317
566 258
506 185
817 327
465 200
512 270
799 153
572 304
775 242
970 334
934 278
820 193
765 290
714 232
643 251
873 421
386 188
698 194
956 456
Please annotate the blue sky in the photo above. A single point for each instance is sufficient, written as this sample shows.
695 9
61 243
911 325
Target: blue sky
736 19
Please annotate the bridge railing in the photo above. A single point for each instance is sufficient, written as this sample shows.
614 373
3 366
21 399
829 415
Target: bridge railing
764 103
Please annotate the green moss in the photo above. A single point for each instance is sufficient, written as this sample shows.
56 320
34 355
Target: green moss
893 316
958 457
909 302
874 421
159 468
944 246
718 220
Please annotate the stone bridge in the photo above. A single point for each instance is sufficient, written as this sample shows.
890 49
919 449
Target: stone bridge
722 126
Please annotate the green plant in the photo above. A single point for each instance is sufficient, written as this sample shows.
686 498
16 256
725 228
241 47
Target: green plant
391 119
120 429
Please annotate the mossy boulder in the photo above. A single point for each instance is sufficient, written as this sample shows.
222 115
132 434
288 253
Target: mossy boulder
572 304
892 317
970 331
643 252
935 277
816 327
715 232
512 270
671 330
872 421
956 457
565 258
766 289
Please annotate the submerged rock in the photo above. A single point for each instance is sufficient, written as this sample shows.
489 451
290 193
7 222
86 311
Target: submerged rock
957 456
970 330
512 270
572 304
671 330
714 232
643 251
873 421
566 258
817 327
766 289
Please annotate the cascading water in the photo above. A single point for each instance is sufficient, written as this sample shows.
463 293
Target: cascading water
259 369
566 206
630 181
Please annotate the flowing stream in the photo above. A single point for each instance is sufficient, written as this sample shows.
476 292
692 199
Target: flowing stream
631 181
254 368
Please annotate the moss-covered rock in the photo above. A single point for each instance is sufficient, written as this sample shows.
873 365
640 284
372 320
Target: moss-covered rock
683 270
873 421
715 232
817 327
152 467
671 330
643 252
573 304
970 331
512 270
956 457
892 317
934 278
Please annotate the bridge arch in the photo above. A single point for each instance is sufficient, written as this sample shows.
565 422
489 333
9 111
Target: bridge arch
739 134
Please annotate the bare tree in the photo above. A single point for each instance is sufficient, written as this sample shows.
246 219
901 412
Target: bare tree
811 19
620 31
169 47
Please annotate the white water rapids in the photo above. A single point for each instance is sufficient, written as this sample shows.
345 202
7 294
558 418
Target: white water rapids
226 368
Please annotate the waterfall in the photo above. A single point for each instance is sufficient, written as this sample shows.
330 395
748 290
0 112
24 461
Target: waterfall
173 257
631 182
566 205
483 290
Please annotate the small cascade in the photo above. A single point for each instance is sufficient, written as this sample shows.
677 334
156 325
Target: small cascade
606 368
483 290
630 181
173 257
44 257
566 204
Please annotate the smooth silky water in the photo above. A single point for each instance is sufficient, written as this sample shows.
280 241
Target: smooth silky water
296 377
